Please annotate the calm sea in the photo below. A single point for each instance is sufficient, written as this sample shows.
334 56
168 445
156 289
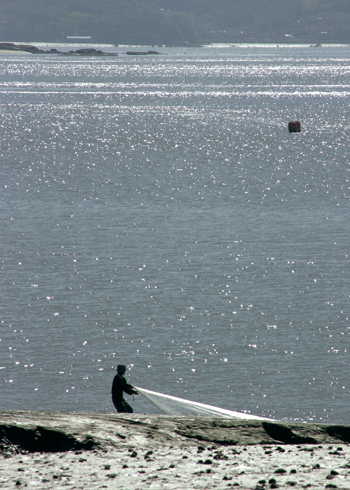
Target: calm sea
156 212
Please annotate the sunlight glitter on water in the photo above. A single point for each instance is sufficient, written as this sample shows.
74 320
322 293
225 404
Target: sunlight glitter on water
175 225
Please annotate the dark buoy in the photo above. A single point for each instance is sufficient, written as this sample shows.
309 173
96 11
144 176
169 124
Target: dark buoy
294 127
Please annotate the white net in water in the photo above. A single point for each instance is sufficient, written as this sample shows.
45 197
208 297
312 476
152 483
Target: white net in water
171 405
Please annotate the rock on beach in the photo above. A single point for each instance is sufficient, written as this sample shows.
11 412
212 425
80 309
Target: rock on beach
129 451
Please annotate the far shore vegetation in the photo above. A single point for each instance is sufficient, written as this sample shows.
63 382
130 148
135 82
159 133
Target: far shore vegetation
176 22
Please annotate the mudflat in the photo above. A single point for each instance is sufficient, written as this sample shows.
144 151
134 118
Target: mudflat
130 451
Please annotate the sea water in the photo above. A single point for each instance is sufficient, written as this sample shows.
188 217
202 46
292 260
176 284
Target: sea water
156 212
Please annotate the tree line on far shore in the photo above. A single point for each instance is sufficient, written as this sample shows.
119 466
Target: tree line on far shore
176 22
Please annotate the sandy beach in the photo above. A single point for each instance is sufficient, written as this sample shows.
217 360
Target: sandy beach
45 450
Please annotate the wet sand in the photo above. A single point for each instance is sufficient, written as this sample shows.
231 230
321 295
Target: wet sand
45 450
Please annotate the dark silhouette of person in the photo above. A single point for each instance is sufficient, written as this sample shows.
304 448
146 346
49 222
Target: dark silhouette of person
118 387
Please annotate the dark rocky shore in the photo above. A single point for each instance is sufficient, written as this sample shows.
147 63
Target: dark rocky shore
124 451
63 431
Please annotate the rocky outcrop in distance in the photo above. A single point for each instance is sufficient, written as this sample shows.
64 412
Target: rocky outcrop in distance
141 53
27 48
89 52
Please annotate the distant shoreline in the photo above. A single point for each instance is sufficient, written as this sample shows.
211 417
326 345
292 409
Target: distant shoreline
96 48
10 48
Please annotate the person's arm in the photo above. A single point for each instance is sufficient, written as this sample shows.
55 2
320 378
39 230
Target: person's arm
130 390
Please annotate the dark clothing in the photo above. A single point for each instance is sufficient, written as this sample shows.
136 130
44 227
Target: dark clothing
123 406
119 386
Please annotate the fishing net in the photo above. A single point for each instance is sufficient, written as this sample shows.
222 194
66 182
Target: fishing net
171 405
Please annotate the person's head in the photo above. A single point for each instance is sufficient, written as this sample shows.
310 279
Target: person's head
121 369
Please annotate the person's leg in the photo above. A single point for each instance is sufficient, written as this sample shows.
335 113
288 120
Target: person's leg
122 406
127 407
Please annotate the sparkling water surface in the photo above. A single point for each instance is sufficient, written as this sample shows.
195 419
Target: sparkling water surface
156 212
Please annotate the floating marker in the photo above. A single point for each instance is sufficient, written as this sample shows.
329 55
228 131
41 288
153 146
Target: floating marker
294 127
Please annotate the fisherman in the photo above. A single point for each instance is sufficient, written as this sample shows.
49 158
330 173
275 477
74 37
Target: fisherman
120 385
